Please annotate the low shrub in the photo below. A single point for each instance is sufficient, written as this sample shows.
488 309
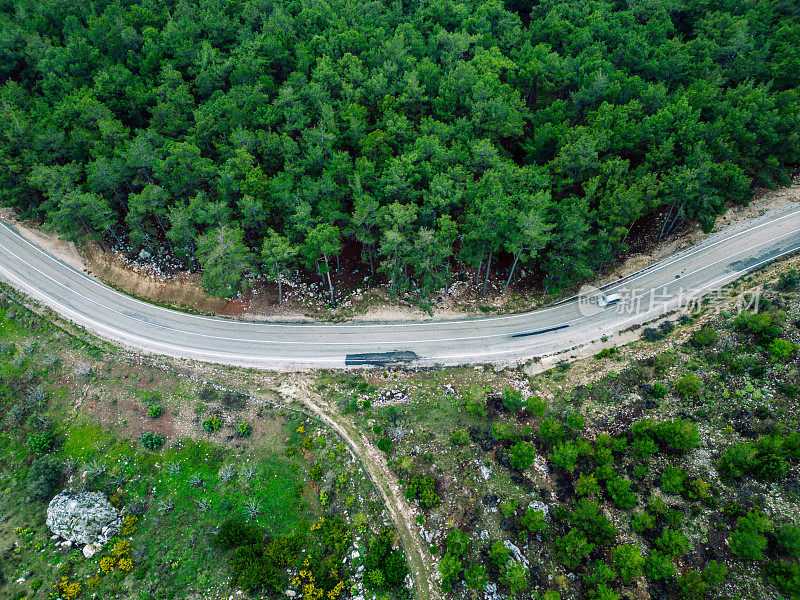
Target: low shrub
244 429
785 577
576 421
658 390
651 334
781 350
689 386
790 390
704 337
696 489
44 477
573 548
475 577
566 456
628 562
521 455
672 543
606 352
659 565
746 540
599 573
767 459
41 442
672 480
551 431
457 542
512 399
679 435
258 566
714 574
508 508
533 520
763 326
381 554
449 569
691 586
151 440
155 411
514 576
499 554
212 424
423 489
235 532
587 485
234 400
208 393
536 406
788 280
588 518
643 521
643 447
788 538
620 491
459 437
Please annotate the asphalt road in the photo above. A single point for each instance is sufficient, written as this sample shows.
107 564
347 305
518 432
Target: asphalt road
664 286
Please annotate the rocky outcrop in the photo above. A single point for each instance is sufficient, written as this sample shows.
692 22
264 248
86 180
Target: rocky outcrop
86 518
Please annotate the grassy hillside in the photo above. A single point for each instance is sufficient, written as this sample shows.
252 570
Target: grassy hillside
180 459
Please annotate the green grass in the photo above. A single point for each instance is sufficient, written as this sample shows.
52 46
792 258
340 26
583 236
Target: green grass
84 441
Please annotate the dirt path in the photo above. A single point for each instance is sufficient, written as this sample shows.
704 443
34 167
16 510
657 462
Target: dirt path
423 568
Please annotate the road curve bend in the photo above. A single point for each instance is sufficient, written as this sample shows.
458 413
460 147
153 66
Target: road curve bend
285 346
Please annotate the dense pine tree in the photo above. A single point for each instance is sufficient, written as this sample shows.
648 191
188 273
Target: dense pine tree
242 135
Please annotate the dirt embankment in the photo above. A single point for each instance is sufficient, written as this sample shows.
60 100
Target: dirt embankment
306 301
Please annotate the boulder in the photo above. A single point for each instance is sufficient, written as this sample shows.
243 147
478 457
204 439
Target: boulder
84 518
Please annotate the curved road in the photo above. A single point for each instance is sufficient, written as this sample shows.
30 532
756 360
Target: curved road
663 286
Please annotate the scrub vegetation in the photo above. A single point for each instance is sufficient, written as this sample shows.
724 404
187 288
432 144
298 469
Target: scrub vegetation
665 469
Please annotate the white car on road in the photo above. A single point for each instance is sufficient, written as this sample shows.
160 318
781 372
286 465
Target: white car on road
608 300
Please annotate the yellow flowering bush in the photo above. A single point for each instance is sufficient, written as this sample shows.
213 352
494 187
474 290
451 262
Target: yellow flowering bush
129 525
305 584
125 564
121 548
334 593
107 564
67 589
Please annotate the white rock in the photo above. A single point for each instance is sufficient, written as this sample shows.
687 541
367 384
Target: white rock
516 553
82 518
